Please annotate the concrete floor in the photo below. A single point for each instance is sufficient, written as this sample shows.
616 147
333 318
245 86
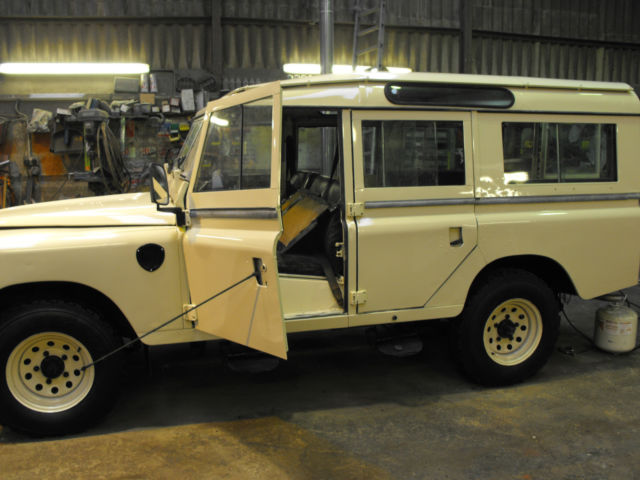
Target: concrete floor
338 409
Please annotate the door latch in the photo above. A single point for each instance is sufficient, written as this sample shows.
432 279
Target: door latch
455 236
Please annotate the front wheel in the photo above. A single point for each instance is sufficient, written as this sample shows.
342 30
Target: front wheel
508 328
44 389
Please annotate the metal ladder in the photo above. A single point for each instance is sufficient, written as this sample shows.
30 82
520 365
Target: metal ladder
366 22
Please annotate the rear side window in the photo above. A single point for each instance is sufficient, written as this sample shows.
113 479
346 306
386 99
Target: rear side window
237 150
559 152
407 153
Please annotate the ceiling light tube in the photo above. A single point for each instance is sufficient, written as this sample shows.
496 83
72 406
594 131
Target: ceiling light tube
73 68
302 68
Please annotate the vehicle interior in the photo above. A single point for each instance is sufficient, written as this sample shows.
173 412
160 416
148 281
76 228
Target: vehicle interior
312 197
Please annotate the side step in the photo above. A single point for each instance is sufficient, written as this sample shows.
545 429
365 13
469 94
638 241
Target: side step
394 342
246 360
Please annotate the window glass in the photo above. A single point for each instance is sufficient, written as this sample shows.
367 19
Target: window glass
559 152
316 149
407 153
237 150
256 146
185 159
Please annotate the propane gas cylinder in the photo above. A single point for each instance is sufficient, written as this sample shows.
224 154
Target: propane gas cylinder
616 328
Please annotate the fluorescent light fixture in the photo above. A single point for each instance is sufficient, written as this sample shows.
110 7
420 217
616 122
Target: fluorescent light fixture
302 68
73 68
315 69
56 96
340 69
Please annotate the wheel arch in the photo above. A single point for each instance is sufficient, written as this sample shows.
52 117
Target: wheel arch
73 292
545 268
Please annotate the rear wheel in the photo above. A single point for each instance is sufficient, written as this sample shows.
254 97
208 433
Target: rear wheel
44 388
508 328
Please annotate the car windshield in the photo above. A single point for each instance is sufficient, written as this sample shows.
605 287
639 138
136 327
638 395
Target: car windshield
186 158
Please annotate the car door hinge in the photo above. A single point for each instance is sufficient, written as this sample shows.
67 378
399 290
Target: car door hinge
358 297
192 315
187 218
339 250
355 210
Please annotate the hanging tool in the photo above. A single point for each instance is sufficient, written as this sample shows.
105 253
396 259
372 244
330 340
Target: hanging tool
33 192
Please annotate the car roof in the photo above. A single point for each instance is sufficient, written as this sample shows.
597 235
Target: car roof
455 78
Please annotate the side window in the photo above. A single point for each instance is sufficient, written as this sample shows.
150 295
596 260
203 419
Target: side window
256 147
186 157
407 153
237 150
559 152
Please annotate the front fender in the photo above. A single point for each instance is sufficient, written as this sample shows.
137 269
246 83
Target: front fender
103 258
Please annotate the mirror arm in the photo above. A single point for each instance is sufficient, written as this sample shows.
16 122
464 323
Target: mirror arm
181 218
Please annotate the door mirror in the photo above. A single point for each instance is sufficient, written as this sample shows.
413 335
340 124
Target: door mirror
159 184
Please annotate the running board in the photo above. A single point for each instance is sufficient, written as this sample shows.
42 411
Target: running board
394 343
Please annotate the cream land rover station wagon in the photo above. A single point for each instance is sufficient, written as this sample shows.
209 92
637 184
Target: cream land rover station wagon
325 203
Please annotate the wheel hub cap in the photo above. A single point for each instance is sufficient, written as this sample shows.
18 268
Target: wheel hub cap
506 328
512 332
52 366
44 372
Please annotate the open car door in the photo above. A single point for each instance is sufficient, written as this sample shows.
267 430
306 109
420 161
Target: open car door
233 202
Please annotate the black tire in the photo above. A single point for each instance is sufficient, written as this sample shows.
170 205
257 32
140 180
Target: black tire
49 341
508 328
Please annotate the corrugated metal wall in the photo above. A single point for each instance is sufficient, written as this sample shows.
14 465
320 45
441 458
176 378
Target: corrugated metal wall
584 39
600 20
163 46
502 56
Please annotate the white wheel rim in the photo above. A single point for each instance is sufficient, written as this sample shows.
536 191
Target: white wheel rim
44 372
512 332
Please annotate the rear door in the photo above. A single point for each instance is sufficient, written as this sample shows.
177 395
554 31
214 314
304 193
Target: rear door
414 207
235 221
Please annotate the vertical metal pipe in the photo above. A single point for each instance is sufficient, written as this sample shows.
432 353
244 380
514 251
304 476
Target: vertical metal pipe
216 42
466 36
381 23
326 63
356 29
326 35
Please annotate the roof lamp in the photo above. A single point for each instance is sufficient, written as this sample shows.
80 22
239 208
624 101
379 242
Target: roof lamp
315 69
73 68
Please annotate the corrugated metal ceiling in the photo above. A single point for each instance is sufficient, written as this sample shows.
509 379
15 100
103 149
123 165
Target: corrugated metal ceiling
589 39
612 20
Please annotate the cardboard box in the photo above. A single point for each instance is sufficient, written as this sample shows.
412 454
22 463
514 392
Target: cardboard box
148 98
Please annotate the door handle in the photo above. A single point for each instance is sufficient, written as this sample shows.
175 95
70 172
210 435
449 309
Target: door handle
455 236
